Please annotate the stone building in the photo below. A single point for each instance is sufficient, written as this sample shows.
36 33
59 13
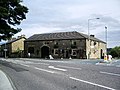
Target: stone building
64 45
14 47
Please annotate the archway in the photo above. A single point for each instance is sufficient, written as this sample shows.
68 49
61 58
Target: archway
45 52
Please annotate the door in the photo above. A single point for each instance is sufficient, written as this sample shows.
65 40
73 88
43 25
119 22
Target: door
45 52
101 53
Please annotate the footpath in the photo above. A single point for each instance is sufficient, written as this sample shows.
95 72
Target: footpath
5 83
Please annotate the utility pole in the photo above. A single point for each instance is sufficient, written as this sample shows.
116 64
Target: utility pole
106 37
5 50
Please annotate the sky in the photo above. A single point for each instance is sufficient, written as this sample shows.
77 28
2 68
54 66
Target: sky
47 16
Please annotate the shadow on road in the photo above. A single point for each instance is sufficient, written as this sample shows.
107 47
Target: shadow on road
13 66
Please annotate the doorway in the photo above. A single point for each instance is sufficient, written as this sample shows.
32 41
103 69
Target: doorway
101 53
45 52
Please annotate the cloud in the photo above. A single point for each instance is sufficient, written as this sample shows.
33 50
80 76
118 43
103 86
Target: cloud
113 38
37 29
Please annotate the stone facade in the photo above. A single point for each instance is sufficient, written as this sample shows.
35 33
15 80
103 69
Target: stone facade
95 49
56 48
64 45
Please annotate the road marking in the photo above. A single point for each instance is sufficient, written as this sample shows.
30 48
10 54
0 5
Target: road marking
92 83
110 73
117 65
25 65
69 67
40 63
44 70
52 67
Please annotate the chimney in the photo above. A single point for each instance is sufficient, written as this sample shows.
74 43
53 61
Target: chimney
92 35
21 36
11 39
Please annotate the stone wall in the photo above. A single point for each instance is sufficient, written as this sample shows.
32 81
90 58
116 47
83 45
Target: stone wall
93 49
57 48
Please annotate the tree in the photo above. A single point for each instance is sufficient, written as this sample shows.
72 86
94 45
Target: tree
12 12
115 52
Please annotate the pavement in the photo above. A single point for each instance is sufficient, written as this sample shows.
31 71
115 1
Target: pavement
5 83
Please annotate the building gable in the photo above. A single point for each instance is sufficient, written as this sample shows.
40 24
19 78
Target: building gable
18 45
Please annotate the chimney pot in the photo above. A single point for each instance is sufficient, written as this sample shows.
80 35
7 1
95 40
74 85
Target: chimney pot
92 35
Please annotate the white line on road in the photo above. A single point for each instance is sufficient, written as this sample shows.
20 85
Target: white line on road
110 73
44 70
52 67
40 63
92 83
25 65
117 65
69 67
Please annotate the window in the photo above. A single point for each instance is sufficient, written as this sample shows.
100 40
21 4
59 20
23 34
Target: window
46 42
73 42
95 43
56 51
56 44
74 52
31 50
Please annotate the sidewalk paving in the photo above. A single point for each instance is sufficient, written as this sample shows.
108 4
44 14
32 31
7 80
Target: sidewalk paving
4 82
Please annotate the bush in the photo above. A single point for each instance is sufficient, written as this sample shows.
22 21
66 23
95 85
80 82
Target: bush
115 52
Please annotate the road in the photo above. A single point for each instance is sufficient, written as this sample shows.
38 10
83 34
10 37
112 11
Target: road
38 74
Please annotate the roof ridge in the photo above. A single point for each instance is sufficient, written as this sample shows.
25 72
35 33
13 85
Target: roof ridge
83 34
15 40
56 32
61 35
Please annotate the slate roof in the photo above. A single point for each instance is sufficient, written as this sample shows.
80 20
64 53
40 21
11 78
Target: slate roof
92 38
60 36
11 41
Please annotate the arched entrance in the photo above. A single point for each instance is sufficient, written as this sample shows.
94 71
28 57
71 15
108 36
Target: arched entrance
45 52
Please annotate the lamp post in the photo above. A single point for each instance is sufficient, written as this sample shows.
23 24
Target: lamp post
5 50
106 38
88 57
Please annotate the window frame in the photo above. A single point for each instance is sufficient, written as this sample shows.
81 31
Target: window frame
32 50
74 51
56 51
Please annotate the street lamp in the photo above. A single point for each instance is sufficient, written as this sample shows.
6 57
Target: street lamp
5 49
88 57
106 38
